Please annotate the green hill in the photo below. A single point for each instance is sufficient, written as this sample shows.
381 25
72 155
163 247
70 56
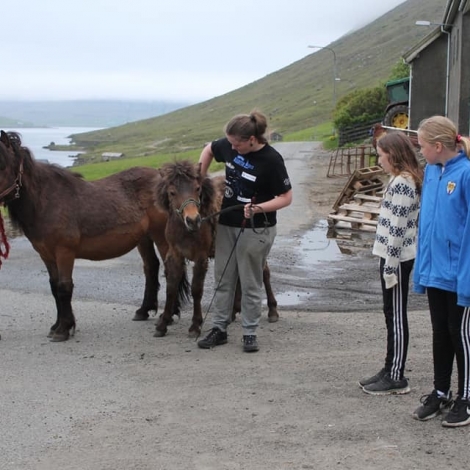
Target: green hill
17 123
295 98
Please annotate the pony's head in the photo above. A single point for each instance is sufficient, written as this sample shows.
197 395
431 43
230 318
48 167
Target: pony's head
12 159
184 192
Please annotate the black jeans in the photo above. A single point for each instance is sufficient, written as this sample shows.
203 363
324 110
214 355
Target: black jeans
450 338
395 304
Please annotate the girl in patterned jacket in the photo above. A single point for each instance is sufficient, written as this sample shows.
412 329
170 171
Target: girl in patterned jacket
395 245
443 265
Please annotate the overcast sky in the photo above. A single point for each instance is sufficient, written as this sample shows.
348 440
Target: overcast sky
189 50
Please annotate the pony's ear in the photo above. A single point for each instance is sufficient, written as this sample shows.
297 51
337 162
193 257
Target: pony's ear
198 167
161 191
5 139
207 193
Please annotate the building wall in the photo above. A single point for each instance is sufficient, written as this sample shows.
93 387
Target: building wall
428 82
460 111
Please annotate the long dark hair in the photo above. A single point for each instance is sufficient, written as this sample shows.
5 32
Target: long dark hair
402 156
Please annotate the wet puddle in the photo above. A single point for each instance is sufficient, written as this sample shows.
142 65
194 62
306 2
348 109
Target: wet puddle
315 247
322 245
291 298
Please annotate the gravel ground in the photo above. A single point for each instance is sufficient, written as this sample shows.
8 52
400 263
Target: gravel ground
114 397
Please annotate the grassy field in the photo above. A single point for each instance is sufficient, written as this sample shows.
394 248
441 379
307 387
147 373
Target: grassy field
94 171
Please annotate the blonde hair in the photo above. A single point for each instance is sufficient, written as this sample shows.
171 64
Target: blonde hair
442 129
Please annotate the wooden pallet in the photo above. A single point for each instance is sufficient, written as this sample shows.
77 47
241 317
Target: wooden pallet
358 205
368 181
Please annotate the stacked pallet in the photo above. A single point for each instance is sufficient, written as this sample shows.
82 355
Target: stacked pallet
358 205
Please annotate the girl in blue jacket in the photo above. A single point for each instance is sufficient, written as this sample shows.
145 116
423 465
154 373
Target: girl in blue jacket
442 266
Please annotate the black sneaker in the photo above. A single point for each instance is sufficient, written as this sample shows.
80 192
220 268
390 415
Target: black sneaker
371 380
432 405
459 414
250 343
212 339
387 386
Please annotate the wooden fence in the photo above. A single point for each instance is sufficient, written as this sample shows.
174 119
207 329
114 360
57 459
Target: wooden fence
355 133
344 161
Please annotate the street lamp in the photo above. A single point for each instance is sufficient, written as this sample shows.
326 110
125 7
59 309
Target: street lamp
442 25
335 78
428 23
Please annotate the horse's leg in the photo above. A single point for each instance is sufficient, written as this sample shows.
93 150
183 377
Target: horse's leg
197 290
163 247
65 318
273 315
53 282
175 279
152 285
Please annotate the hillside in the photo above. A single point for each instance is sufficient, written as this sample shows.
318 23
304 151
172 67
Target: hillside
18 123
296 97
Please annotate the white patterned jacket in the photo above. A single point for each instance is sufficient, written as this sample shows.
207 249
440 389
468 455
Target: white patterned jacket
395 238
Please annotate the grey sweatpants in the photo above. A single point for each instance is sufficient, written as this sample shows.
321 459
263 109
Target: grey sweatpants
246 261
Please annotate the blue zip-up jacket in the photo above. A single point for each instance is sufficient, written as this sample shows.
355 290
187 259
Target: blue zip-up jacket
443 256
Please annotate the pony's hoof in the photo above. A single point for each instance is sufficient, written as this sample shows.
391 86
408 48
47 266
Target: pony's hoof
194 333
140 316
159 334
273 318
169 321
59 337
50 334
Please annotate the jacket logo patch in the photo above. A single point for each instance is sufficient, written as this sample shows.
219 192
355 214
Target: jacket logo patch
450 187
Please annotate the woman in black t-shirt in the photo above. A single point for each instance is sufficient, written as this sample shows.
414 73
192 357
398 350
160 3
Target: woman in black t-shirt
257 182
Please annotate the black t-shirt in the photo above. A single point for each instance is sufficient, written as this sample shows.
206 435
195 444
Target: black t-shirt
255 177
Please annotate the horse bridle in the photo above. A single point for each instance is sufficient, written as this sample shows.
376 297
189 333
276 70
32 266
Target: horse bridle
16 185
191 200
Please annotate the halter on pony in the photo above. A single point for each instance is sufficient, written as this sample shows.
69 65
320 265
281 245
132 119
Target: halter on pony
16 186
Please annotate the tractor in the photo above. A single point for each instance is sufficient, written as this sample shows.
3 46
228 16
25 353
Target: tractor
396 113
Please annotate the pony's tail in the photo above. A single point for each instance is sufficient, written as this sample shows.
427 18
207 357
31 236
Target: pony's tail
184 292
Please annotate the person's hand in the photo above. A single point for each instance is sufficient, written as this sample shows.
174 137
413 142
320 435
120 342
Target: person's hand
249 210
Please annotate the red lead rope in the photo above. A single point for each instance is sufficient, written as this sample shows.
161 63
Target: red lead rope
4 245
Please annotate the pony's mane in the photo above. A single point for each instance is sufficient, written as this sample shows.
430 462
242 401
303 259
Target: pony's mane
36 178
30 164
186 170
172 172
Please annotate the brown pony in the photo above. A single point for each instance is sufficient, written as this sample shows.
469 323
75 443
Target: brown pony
187 197
191 201
65 217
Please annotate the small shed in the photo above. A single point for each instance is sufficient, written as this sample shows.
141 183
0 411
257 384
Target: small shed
440 69
107 156
275 137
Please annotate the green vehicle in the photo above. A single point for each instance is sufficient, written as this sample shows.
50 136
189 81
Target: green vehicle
396 113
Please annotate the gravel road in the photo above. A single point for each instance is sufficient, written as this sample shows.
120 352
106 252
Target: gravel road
114 397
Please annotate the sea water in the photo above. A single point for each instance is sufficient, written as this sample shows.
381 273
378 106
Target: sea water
38 137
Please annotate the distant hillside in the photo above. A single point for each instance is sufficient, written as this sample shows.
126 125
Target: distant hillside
296 97
7 122
84 113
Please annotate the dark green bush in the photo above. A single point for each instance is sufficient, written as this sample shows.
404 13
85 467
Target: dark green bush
360 106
